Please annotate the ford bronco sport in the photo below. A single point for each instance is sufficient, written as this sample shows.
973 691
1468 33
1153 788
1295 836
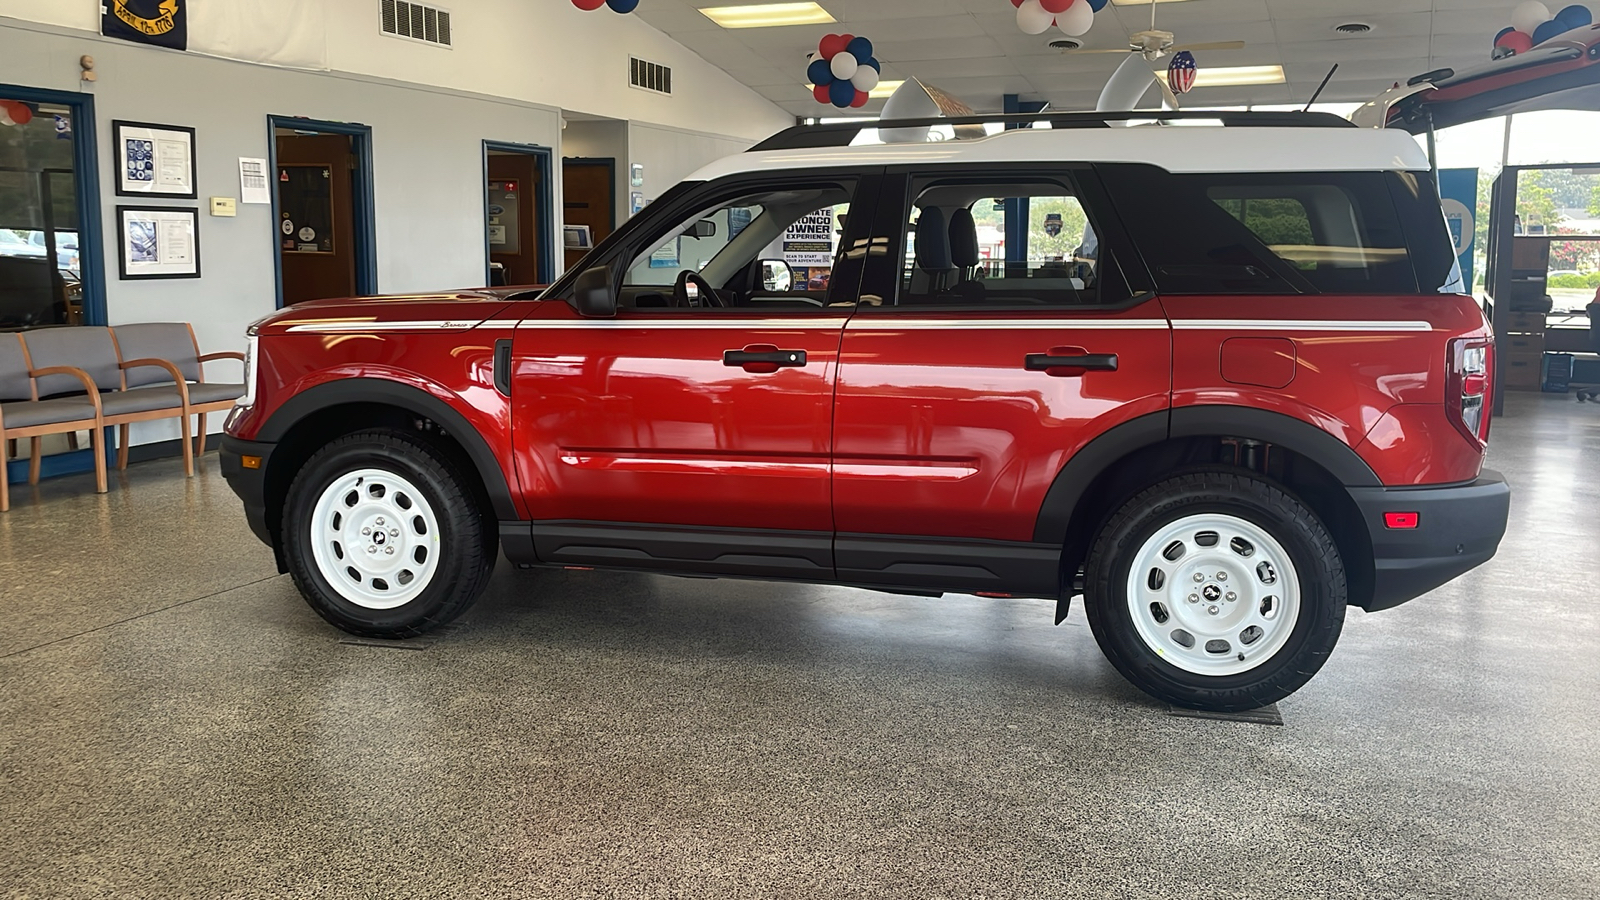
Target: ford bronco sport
1215 374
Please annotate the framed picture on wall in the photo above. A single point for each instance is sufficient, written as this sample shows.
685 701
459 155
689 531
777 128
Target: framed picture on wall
154 160
158 242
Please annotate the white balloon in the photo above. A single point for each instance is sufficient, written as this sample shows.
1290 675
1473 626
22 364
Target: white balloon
1033 18
1529 16
5 117
1078 18
844 66
866 78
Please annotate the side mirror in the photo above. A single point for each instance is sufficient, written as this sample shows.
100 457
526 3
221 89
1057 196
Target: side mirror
776 276
705 228
592 293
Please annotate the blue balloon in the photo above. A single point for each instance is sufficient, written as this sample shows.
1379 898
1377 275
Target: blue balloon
1547 31
1575 17
819 71
1097 5
860 48
623 6
870 61
1503 33
842 93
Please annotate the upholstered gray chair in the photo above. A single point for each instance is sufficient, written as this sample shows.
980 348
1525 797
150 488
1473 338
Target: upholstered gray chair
175 342
24 415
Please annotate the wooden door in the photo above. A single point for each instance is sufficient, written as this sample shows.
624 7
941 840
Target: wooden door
316 216
589 197
514 239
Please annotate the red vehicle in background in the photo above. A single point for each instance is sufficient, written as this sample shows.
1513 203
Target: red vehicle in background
1262 401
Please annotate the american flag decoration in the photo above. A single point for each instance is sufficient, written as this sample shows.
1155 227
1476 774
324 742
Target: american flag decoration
1181 73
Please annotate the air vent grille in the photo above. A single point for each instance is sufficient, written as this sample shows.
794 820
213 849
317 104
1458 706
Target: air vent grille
1353 28
416 22
649 76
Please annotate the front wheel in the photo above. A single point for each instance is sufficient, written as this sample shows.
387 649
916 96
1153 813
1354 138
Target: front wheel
383 536
1216 590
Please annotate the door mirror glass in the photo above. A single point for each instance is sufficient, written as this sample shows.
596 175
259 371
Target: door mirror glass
705 228
592 293
776 276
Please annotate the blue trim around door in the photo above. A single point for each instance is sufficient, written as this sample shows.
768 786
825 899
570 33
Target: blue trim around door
365 209
546 210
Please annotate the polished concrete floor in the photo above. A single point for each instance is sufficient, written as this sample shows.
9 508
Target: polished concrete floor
174 722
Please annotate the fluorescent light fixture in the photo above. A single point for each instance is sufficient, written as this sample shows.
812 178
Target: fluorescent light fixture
1235 76
884 90
768 15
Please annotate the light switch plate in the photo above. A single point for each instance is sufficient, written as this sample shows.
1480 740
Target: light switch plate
224 206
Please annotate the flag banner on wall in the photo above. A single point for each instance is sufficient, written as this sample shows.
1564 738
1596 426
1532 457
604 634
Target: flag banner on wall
288 33
163 23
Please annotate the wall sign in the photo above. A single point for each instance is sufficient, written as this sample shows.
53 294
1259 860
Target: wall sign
809 241
505 215
154 160
163 23
305 208
158 242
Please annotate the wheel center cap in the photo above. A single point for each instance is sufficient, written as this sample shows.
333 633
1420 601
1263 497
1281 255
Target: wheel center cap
1212 593
378 538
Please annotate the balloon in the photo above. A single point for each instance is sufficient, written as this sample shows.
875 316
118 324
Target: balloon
819 72
1575 17
822 93
1097 5
860 48
1016 2
860 100
1033 18
5 116
19 113
1503 33
1078 19
588 4
876 66
833 45
1516 42
1055 7
841 93
1529 16
844 66
866 78
1548 30
623 6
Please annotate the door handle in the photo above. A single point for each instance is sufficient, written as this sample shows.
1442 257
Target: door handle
1068 362
764 359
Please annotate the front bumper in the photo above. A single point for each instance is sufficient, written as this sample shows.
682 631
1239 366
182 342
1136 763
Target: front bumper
1458 529
250 483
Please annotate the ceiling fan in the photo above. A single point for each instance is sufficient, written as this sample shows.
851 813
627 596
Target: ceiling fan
1154 44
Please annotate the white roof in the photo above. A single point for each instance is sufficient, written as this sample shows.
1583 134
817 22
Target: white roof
1188 148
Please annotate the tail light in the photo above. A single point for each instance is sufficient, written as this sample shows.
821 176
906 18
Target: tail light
1471 386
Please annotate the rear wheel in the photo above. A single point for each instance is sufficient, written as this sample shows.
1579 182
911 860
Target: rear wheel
383 536
1216 590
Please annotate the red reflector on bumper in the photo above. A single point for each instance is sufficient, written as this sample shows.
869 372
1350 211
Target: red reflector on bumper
1401 519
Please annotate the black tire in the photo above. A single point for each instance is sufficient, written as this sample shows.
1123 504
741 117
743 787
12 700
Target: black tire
465 552
1323 589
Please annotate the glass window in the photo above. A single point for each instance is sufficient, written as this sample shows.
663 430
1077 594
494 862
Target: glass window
767 249
956 250
40 266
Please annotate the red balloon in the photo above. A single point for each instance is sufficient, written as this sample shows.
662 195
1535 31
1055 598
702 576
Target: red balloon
860 100
1516 42
589 5
1016 2
1056 6
833 45
821 93
19 112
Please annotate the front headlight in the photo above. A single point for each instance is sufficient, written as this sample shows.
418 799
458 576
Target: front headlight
252 360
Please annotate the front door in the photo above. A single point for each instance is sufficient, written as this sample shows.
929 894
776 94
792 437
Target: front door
316 215
693 430
516 187
972 375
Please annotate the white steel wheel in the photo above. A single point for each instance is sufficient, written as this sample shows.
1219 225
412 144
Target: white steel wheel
1213 594
375 538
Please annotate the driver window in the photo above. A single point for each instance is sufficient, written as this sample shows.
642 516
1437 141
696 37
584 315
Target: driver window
764 250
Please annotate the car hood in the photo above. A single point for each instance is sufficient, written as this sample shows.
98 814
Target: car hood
445 311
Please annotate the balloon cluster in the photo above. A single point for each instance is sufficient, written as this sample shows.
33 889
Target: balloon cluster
844 71
1532 25
1074 17
14 113
621 6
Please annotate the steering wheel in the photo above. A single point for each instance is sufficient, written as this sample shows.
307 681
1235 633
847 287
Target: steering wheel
706 296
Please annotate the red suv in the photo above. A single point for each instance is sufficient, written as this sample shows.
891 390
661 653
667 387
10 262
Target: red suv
1218 379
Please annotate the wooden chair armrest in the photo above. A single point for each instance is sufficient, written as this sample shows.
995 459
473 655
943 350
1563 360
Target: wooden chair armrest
88 383
172 371
223 354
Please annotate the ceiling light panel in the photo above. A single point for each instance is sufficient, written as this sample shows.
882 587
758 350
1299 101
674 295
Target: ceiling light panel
768 15
1235 76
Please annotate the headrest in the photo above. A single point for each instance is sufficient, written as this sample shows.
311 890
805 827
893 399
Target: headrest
933 241
963 239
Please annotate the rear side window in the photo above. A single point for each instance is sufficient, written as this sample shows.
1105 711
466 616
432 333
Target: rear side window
1263 233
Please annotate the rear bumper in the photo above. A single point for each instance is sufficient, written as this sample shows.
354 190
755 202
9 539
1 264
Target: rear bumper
1458 529
250 483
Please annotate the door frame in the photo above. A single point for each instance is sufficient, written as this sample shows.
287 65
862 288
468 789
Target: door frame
363 207
544 158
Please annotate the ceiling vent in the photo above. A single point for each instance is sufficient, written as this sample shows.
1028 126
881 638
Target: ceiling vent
1065 45
416 22
649 76
1353 28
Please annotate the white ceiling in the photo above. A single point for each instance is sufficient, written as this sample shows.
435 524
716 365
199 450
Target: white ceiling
974 50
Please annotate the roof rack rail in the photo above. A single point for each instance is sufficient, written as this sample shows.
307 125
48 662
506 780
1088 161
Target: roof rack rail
842 134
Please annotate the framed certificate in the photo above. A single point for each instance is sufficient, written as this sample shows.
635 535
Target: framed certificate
154 160
158 242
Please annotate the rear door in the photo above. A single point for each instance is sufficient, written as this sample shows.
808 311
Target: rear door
967 381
